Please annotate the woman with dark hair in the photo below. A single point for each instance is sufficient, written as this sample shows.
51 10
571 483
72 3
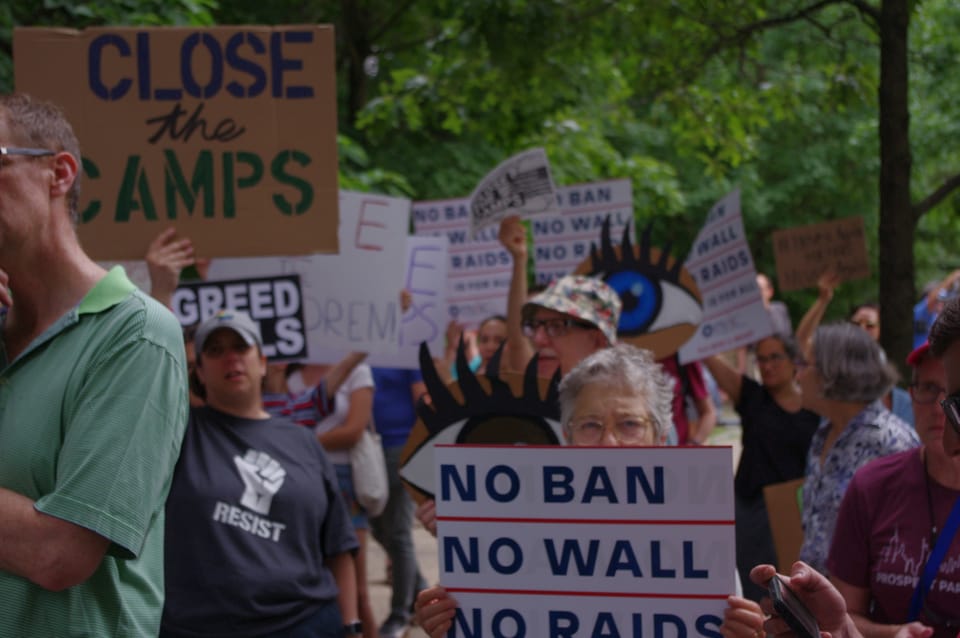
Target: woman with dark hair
845 379
258 540
776 435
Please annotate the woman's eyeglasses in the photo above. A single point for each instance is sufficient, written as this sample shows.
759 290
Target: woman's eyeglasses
553 327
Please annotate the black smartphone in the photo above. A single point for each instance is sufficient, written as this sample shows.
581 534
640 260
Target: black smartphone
789 607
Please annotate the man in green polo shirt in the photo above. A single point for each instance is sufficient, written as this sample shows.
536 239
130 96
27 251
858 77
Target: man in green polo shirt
93 399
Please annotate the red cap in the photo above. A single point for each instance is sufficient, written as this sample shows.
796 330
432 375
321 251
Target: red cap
915 357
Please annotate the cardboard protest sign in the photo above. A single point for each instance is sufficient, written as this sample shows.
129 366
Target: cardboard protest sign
521 185
806 252
786 524
544 541
561 241
479 267
227 133
351 301
721 264
275 303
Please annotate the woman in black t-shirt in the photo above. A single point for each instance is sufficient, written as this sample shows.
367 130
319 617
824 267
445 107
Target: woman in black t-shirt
776 435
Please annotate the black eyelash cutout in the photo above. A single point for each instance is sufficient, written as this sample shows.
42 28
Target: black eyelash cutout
605 262
500 401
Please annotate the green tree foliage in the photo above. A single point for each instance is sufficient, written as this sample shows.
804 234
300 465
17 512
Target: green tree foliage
784 98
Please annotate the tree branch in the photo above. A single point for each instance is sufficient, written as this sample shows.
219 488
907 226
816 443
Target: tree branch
943 191
383 28
867 9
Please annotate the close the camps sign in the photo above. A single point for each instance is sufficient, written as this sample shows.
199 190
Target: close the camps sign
227 133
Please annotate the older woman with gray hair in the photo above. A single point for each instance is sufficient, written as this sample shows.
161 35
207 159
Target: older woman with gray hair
846 376
617 396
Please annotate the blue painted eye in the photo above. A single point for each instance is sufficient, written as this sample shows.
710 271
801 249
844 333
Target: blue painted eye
656 292
640 297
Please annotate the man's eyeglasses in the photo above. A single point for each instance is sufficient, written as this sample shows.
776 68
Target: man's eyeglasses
29 152
553 327
951 408
926 393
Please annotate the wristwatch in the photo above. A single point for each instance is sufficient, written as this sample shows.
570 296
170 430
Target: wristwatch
354 628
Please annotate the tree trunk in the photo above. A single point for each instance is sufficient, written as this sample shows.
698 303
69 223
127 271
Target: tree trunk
897 223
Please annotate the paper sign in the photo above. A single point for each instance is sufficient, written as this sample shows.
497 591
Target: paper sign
521 185
351 301
426 320
562 241
534 541
722 266
478 269
226 133
275 303
805 253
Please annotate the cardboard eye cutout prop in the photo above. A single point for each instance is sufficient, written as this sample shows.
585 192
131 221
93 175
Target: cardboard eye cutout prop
493 408
662 305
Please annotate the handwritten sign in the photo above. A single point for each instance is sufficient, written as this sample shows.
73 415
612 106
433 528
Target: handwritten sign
521 185
804 253
275 303
478 270
722 266
562 241
546 541
351 301
426 320
227 133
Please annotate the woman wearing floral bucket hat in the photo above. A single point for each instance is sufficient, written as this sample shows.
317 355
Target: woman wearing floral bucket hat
570 320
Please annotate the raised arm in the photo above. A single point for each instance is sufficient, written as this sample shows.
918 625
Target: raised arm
166 257
826 284
513 236
729 380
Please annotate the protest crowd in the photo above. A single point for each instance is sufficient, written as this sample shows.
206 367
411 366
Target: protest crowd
159 479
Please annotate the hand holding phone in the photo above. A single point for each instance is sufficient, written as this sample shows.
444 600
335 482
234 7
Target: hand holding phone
792 610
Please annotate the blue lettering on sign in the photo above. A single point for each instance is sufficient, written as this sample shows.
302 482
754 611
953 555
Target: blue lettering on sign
466 489
556 252
716 213
506 623
558 485
548 227
513 483
200 50
425 215
469 560
514 551
567 624
623 558
490 259
586 196
559 565
724 266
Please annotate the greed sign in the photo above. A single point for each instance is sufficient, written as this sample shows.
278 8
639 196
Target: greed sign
220 132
